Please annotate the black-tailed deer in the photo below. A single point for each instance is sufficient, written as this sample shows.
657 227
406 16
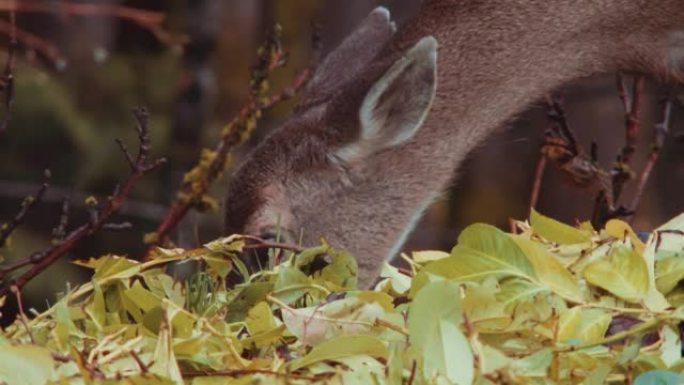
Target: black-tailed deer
389 116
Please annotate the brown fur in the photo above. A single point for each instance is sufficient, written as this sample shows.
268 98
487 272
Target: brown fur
495 58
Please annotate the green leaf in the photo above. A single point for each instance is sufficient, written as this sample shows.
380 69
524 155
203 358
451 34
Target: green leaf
497 244
291 284
426 256
142 297
341 347
25 365
598 376
515 290
165 363
622 272
549 271
435 316
245 297
340 272
111 266
469 265
583 325
668 273
659 377
534 365
555 231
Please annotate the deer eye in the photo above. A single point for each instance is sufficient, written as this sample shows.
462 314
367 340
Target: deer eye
270 237
273 235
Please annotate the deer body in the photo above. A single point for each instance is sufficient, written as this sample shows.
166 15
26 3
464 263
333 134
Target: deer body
374 143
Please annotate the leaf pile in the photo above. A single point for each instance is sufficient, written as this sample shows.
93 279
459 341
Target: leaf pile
549 304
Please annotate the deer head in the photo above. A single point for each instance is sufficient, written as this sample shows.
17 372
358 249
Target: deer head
323 156
373 143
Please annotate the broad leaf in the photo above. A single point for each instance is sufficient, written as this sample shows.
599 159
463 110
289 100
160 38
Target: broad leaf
555 231
434 320
25 365
341 347
659 377
622 272
549 271
668 273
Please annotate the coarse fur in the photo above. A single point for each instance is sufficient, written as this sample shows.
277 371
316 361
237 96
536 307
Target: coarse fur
358 168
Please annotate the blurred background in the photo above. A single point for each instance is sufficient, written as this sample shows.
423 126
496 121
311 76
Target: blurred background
78 77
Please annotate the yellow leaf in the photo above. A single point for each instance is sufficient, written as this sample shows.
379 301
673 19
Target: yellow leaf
435 317
668 273
260 319
428 255
549 271
343 346
555 231
623 272
165 363
583 325
619 229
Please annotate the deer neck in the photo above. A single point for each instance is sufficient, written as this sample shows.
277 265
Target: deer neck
497 57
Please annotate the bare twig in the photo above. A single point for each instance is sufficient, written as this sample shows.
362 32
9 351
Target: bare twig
148 20
33 42
6 229
7 80
192 193
43 259
59 232
621 171
244 372
258 243
538 175
660 133
22 315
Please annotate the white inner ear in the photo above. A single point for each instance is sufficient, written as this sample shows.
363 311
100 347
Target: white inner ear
397 104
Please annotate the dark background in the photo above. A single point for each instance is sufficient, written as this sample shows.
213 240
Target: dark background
68 112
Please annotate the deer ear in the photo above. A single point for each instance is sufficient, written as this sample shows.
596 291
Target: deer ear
397 104
352 56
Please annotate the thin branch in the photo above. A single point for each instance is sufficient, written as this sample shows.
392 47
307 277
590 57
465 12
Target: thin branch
556 113
244 372
538 175
621 171
7 228
22 315
660 134
44 259
148 20
148 211
7 80
59 232
34 42
259 243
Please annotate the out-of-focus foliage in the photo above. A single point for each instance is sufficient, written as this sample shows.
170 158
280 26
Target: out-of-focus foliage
549 304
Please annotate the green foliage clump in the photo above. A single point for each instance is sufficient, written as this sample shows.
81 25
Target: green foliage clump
547 304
